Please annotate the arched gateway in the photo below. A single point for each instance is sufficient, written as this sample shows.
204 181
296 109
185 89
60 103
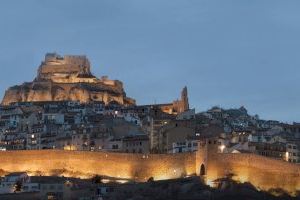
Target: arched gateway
202 170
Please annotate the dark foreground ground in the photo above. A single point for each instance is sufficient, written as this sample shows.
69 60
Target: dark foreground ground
191 188
194 189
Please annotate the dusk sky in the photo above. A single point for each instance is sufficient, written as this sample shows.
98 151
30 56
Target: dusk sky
228 53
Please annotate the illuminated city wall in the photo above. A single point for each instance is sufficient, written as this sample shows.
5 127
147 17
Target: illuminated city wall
86 164
264 173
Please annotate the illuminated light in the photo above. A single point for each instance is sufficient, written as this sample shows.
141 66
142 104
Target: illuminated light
105 180
32 136
287 156
174 171
68 182
122 181
70 148
2 148
242 179
210 183
144 156
106 155
222 148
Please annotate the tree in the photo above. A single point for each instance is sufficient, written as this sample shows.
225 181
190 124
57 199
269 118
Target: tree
97 179
150 180
18 186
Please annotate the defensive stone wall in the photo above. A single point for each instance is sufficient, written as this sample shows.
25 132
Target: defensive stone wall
264 173
86 164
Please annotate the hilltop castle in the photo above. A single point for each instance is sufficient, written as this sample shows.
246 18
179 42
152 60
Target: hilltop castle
68 78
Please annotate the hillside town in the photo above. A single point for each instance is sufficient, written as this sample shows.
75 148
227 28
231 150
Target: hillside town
73 126
96 116
95 126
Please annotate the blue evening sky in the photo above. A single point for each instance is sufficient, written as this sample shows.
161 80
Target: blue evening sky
228 52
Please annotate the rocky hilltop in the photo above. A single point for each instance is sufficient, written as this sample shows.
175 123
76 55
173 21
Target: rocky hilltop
67 78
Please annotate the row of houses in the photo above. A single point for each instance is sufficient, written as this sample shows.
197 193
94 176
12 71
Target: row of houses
95 127
19 185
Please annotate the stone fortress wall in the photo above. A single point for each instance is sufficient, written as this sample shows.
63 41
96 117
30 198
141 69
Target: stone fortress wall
262 172
138 167
68 64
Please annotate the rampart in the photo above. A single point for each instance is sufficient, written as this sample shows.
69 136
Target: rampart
86 164
262 172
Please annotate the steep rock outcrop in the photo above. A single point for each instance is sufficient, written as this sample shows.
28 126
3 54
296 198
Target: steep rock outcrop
67 78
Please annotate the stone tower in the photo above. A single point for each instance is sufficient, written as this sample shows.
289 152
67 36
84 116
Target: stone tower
207 149
181 105
185 99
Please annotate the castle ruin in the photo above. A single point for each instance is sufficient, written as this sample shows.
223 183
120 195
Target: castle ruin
67 78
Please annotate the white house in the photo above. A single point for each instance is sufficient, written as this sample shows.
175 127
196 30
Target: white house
9 183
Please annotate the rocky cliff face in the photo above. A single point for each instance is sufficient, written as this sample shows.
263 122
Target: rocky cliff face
67 78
